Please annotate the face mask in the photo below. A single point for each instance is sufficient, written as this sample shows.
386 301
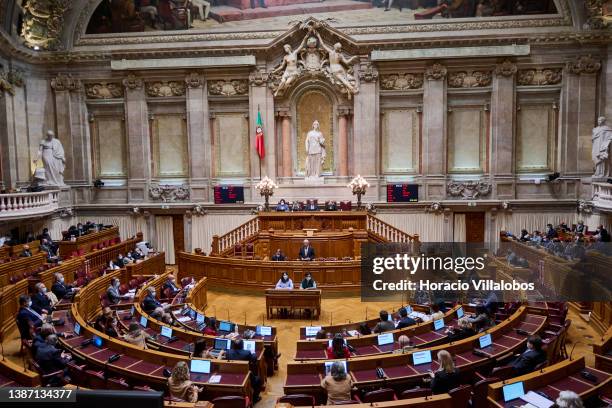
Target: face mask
61 280
30 303
44 290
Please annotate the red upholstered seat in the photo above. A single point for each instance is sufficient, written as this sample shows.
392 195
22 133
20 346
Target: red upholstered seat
480 390
415 393
461 395
117 384
384 394
95 379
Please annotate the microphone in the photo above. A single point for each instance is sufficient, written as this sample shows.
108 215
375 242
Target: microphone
89 341
113 358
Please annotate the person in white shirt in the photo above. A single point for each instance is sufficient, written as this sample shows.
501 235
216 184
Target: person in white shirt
203 7
284 282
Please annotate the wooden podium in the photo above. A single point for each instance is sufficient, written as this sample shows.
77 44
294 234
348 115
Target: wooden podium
294 300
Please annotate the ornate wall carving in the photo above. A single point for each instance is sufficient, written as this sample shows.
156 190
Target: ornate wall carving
162 89
468 190
169 193
600 14
401 81
506 68
539 76
259 77
65 82
584 64
368 72
43 22
132 82
229 87
436 72
9 80
469 79
194 80
104 90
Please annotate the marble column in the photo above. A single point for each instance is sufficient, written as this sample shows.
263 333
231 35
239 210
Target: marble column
137 128
607 77
72 128
198 131
261 100
343 142
213 131
579 115
503 100
366 123
434 131
8 147
286 144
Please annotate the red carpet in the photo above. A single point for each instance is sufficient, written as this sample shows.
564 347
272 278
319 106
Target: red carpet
226 13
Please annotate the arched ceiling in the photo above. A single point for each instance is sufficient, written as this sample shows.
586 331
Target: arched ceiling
60 24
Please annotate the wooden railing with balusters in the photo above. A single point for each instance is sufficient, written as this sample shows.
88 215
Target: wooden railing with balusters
388 232
239 234
19 204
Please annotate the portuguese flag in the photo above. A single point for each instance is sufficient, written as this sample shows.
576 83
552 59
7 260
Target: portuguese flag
259 137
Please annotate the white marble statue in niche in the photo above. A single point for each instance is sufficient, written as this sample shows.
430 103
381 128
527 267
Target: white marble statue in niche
602 159
315 150
51 151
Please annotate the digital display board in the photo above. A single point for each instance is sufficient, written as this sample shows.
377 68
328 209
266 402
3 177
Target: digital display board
402 193
229 194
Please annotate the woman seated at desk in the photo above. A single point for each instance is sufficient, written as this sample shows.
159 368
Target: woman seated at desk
282 205
338 348
179 384
284 282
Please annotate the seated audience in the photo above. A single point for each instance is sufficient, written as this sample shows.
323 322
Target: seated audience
211 327
112 293
150 303
26 253
137 254
308 282
533 355
384 324
364 329
40 301
51 359
171 284
121 261
284 282
112 266
307 252
551 232
136 336
481 320
237 352
180 386
436 313
405 320
111 327
278 256
568 399
338 348
61 289
200 350
404 345
100 322
331 206
337 384
282 205
463 331
27 318
46 329
446 377
311 206
601 234
580 227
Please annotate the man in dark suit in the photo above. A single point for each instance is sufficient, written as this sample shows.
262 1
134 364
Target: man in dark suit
150 303
60 289
530 358
40 301
278 255
171 284
405 320
27 319
237 352
51 359
26 253
311 206
307 252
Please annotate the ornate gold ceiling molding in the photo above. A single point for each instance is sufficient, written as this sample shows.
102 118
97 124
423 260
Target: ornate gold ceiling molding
43 22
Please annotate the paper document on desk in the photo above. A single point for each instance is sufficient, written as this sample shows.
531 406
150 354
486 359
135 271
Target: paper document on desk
353 333
537 400
215 379
183 319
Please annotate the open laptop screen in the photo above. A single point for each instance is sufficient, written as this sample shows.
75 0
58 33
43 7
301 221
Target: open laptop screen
513 391
200 366
485 341
421 357
385 338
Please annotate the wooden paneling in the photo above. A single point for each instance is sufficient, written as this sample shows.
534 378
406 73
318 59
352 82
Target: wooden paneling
475 227
9 305
86 241
16 268
256 274
320 220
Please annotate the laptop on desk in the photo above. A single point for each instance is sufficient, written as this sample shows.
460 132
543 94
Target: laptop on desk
220 344
226 327
200 370
485 344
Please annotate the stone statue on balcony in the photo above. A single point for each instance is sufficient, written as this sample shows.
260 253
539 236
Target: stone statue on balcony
315 150
602 158
51 151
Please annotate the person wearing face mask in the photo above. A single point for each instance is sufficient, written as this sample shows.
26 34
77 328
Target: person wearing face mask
308 282
150 303
40 301
27 318
284 282
112 293
61 289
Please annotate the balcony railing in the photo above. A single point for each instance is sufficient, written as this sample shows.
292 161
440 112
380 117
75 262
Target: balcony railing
602 196
19 205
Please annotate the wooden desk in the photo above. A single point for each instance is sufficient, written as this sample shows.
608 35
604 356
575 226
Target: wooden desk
9 305
554 379
15 269
293 300
86 242
602 348
259 275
